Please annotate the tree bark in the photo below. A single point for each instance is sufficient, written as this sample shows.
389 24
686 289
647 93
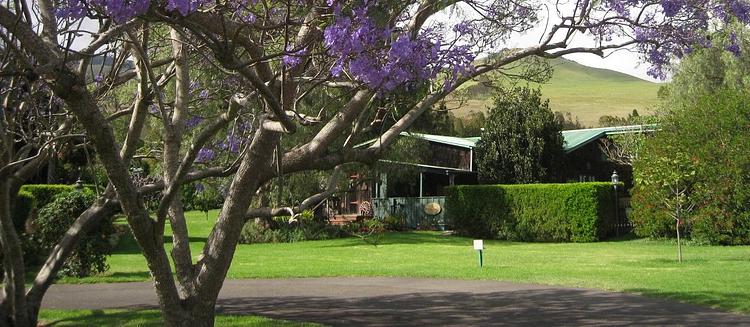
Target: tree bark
14 300
217 255
69 87
679 243
172 145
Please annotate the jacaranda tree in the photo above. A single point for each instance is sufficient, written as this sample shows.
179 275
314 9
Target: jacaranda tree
222 81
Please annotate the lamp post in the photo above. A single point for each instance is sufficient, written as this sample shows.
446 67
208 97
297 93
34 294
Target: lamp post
78 186
615 181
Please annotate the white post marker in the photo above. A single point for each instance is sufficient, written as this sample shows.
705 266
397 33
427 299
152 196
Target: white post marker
479 246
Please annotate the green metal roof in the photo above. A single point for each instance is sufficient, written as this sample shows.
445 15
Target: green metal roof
450 140
442 139
574 139
473 139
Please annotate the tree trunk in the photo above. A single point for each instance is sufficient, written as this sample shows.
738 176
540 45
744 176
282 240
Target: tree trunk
679 243
13 306
181 254
222 242
147 232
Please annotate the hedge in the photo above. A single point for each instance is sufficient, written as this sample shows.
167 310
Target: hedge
25 202
577 212
53 221
45 193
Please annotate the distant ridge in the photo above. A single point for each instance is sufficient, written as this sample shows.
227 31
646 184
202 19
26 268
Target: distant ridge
585 92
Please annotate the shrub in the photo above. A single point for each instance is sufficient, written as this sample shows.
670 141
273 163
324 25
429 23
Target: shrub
649 218
25 203
370 231
55 218
578 212
697 167
45 193
304 227
22 210
394 223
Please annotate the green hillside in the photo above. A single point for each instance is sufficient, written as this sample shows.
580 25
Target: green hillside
585 92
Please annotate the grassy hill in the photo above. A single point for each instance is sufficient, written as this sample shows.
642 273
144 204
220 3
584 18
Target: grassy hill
585 92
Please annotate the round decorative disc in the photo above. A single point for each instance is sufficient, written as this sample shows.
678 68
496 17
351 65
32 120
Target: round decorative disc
432 208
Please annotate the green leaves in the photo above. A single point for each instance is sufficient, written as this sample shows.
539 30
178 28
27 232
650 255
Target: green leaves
696 169
521 141
578 212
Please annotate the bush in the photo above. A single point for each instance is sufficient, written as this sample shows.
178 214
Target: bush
304 227
394 223
55 218
201 197
370 231
25 203
22 210
699 160
45 193
578 212
649 218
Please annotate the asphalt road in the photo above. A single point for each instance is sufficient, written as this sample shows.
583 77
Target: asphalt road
412 302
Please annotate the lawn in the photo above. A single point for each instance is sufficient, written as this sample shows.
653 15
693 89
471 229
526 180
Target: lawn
144 318
711 275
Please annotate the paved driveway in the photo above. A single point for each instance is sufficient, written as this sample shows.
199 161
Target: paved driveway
412 302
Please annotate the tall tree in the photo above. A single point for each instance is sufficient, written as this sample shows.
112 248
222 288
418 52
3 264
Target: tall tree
263 62
691 175
521 141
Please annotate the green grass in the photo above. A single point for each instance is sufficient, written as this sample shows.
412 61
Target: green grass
711 275
145 318
586 92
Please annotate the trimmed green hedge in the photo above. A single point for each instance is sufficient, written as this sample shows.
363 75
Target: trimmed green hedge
25 202
577 212
45 193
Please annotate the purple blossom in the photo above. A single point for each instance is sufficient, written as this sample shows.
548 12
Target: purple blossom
361 48
733 46
194 121
119 10
231 144
740 9
199 187
463 28
293 58
671 7
124 10
203 95
181 6
249 18
185 7
205 155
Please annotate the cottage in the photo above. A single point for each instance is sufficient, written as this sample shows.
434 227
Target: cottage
450 161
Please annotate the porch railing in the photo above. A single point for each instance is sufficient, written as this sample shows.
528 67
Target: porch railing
411 210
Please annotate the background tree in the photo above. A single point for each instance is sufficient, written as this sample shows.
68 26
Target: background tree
521 141
703 138
694 171
471 125
567 121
